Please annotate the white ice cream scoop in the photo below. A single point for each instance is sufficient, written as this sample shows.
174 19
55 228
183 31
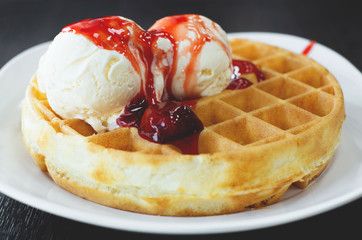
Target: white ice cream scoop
86 81
202 64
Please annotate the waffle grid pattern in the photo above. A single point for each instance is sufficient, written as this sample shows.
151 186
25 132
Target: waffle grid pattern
297 92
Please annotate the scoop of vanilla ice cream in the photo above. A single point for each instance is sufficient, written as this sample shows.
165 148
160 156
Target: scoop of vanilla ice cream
86 82
213 73
202 72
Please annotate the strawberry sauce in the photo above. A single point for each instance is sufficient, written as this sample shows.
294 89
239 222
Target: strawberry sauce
192 29
189 144
308 48
243 67
166 121
127 38
111 33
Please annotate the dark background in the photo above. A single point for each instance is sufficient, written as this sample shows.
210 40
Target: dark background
336 24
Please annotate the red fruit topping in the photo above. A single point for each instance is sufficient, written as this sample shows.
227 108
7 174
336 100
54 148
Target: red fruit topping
133 112
167 121
191 102
189 144
244 67
239 83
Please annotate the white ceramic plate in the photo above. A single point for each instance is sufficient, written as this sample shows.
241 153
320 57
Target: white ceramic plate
341 183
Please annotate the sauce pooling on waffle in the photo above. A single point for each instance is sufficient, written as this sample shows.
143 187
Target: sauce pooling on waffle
166 123
241 67
158 121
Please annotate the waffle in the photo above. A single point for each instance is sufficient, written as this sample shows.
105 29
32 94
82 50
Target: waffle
256 143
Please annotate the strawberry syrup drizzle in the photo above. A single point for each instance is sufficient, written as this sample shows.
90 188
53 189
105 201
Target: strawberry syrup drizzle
115 33
179 27
189 144
308 48
243 67
110 33
246 67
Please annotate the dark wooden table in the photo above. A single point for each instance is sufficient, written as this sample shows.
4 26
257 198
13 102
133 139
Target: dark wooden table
336 24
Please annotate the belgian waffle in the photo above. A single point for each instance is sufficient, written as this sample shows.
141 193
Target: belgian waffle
256 143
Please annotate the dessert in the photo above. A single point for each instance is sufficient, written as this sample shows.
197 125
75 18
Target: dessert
202 57
276 121
89 81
